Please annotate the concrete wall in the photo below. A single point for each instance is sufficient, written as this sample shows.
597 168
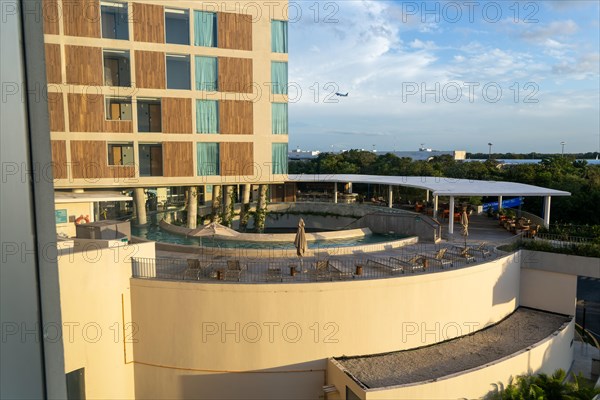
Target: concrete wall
203 340
549 291
561 263
95 302
73 210
548 355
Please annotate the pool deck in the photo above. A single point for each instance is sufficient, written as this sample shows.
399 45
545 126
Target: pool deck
373 265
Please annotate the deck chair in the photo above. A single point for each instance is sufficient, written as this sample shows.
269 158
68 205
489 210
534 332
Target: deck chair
321 271
412 264
340 270
274 274
461 253
233 271
481 249
195 269
392 268
438 258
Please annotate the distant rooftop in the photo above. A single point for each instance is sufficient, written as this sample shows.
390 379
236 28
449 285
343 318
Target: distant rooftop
524 328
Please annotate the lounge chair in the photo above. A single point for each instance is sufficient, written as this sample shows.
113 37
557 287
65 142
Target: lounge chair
233 271
340 270
438 258
321 271
412 264
195 269
481 250
461 253
274 274
391 268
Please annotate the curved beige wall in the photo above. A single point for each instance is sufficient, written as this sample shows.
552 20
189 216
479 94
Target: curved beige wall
547 356
183 349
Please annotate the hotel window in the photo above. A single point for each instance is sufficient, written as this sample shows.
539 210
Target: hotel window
178 71
118 108
279 77
117 68
280 118
151 160
279 36
115 20
149 115
207 116
280 158
205 29
207 74
177 26
208 159
120 154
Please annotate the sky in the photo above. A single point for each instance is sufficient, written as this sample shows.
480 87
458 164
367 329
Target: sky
452 75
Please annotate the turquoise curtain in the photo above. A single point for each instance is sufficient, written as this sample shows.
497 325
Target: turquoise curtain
206 74
280 118
279 77
205 29
208 159
207 116
279 36
280 158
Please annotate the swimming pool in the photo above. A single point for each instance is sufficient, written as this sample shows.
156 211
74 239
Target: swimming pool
152 231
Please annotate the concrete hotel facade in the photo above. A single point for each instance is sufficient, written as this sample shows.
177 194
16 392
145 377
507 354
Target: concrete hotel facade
178 93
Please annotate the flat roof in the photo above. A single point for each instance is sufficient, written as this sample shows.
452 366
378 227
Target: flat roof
522 329
437 185
87 197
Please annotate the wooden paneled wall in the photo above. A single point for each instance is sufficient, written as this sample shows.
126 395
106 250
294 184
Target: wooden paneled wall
59 159
237 159
51 17
150 70
86 113
236 117
81 18
89 160
176 115
234 31
148 23
235 75
53 63
178 159
118 126
56 112
84 65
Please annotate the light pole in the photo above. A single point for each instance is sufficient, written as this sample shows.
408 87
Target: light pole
563 148
490 153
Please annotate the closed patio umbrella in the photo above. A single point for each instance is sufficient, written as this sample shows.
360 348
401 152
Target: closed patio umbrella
300 240
464 221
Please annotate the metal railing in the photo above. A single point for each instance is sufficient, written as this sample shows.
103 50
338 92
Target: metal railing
400 262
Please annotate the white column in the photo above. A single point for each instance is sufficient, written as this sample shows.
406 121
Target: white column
139 198
499 203
350 187
435 207
427 196
335 192
391 196
547 211
451 216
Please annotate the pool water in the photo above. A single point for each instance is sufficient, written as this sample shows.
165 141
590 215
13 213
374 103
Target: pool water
152 231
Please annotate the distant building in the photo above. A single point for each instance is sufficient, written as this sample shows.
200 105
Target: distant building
423 154
297 155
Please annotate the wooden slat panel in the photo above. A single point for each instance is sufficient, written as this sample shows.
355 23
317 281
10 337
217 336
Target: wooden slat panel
150 70
84 65
88 159
236 117
234 31
56 112
178 159
235 75
59 159
148 23
81 18
51 15
53 64
86 113
118 126
237 159
176 115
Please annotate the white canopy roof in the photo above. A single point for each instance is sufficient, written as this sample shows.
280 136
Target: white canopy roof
438 186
